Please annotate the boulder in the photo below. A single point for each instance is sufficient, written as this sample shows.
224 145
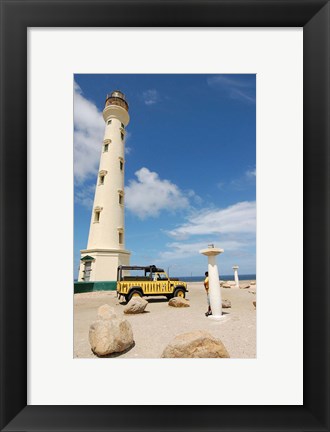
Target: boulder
226 285
178 302
244 286
226 303
253 283
105 312
108 336
135 305
232 283
196 344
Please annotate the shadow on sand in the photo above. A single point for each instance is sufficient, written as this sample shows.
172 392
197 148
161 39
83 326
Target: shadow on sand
115 354
157 300
149 300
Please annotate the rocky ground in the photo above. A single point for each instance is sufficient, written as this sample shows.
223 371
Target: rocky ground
154 329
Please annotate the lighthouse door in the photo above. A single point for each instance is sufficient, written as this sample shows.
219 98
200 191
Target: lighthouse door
88 269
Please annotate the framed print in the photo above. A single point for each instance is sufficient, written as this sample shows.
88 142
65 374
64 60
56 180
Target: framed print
61 70
158 175
37 389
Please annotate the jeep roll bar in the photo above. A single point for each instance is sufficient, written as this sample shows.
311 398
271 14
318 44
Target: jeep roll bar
147 269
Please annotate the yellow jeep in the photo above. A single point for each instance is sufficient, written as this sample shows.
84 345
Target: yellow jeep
152 281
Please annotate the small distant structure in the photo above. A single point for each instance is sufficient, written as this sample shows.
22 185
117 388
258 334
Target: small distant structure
214 286
235 268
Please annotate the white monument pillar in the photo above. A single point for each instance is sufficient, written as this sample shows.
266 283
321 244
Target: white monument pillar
106 242
214 283
235 268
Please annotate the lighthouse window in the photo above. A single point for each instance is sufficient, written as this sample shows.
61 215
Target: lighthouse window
106 147
101 179
121 164
97 216
109 121
122 136
120 198
120 234
122 125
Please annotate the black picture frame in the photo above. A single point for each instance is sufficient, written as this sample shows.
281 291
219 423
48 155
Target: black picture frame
16 17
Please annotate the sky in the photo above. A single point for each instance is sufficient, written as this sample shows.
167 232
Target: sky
190 167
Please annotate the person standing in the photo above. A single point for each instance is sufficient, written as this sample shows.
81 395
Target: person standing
206 286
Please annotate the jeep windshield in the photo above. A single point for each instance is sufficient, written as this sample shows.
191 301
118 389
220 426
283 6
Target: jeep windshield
160 276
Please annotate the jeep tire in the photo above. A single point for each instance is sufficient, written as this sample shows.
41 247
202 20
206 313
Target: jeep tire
133 293
179 292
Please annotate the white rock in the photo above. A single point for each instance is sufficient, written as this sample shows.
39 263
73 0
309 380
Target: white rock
196 344
105 312
136 305
178 302
226 303
107 336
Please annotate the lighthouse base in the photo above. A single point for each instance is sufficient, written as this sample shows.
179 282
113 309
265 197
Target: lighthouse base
101 264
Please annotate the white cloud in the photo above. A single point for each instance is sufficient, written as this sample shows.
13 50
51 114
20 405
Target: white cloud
238 218
85 196
194 197
149 195
128 136
232 229
221 185
245 181
235 86
251 173
88 136
183 250
128 149
150 97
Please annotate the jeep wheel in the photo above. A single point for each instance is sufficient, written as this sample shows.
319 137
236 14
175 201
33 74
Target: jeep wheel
133 293
180 292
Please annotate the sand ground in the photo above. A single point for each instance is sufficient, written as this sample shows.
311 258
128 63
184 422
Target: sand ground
160 323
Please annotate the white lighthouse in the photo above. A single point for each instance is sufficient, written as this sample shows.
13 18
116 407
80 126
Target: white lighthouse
106 242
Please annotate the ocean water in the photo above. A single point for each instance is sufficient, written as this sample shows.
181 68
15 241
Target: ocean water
222 277
201 278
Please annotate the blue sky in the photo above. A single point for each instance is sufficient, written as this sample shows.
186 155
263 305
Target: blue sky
190 171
